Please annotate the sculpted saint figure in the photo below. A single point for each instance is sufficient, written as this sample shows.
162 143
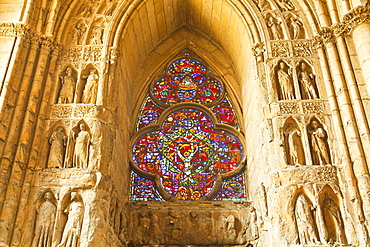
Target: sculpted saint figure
319 145
97 34
81 151
91 87
72 229
263 5
285 82
295 26
294 145
78 33
58 141
305 222
68 87
333 222
45 222
307 82
285 5
275 27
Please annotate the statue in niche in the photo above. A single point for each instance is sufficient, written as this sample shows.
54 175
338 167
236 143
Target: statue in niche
96 37
307 82
111 5
91 87
263 5
88 8
285 5
305 221
294 148
72 229
78 147
226 226
45 222
284 79
79 31
320 151
275 27
250 230
333 222
295 26
67 91
58 141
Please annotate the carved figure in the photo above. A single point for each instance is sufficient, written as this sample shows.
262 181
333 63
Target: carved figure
294 145
285 5
91 87
72 229
263 5
144 227
96 37
284 78
250 230
81 151
155 232
333 222
58 141
295 26
111 5
305 221
262 204
45 223
173 229
68 87
307 82
275 27
320 150
226 226
78 32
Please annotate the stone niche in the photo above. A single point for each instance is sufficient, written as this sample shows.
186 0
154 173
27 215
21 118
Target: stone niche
167 223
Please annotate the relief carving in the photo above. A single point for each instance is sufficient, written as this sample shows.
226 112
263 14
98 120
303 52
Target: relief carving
333 222
306 81
78 147
72 55
93 53
226 228
96 35
250 231
295 26
110 6
289 108
58 142
61 111
45 221
293 144
78 33
307 230
319 145
72 228
68 85
302 49
263 5
274 26
91 87
283 76
285 5
280 49
313 107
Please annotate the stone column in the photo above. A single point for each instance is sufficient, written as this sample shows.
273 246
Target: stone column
23 145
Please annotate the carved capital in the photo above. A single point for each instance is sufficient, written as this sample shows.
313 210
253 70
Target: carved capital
258 49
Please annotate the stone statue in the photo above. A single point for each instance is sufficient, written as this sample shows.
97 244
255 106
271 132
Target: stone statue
307 82
81 150
72 229
285 5
320 150
111 5
226 226
250 231
96 37
78 32
91 87
295 26
294 147
58 141
305 221
284 78
45 223
275 28
263 5
67 91
333 222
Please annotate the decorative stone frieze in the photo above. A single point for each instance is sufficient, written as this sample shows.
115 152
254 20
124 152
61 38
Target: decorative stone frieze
302 49
313 107
289 107
93 53
71 55
13 29
75 111
280 49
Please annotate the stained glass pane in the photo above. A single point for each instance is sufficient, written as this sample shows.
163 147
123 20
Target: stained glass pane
143 189
149 113
187 154
225 113
232 189
186 82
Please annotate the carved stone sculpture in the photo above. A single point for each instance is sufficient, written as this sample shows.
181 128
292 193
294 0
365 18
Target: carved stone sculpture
305 221
274 26
45 223
96 37
307 82
58 141
91 87
284 79
294 148
333 222
295 27
250 230
67 91
262 204
319 145
78 32
263 5
285 5
72 229
226 227
144 227
111 6
81 151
